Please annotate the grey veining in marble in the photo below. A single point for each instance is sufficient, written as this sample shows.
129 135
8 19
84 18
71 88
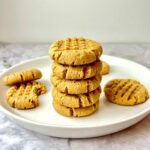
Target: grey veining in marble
14 137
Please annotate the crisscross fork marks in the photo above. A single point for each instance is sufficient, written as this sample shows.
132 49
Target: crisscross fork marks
119 87
25 96
127 92
122 91
73 44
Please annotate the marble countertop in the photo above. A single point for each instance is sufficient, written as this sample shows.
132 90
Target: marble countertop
14 137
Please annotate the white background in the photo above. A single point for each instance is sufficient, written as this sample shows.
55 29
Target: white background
48 20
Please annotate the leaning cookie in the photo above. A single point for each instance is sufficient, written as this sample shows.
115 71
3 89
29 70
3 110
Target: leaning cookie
76 72
25 96
75 112
22 76
76 101
105 68
126 92
75 51
76 86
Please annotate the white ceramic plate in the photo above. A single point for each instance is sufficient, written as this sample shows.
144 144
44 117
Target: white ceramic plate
110 117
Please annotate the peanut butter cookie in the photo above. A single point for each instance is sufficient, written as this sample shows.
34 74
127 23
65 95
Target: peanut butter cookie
105 68
75 112
126 92
22 76
25 96
75 51
76 86
76 72
76 101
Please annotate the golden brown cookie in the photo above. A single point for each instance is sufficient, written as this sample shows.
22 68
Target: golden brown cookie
76 72
126 92
76 101
105 68
75 51
25 96
76 86
22 76
75 112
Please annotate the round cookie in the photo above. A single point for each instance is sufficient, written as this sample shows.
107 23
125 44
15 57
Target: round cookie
76 86
25 95
105 68
75 51
126 92
76 72
22 76
75 112
76 101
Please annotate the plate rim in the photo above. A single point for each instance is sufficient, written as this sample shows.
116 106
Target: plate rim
28 121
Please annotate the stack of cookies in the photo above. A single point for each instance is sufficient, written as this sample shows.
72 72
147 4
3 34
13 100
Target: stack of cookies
76 76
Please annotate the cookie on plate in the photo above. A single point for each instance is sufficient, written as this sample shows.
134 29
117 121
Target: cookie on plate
105 68
22 76
76 72
76 101
25 95
76 86
75 51
126 92
75 112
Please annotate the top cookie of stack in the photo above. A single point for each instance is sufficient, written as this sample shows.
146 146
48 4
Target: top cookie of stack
75 51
